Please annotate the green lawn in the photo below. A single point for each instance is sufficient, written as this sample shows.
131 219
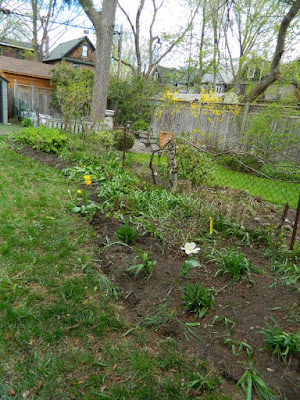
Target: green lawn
62 336
268 190
9 128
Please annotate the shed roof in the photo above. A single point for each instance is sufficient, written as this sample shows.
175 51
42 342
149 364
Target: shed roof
64 49
24 67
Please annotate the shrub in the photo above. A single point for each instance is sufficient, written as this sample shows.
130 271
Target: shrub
198 299
235 165
26 122
140 126
194 165
104 139
119 140
42 138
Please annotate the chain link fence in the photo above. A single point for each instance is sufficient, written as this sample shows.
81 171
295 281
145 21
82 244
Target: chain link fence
264 167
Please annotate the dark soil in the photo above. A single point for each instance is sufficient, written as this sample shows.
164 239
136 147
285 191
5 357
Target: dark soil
247 304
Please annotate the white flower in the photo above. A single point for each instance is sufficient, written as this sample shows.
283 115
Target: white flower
190 248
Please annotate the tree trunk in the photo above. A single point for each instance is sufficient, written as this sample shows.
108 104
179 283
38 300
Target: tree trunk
274 73
103 22
37 54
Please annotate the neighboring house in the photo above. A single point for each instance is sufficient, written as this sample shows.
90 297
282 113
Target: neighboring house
16 49
188 82
178 78
223 81
3 101
29 84
77 52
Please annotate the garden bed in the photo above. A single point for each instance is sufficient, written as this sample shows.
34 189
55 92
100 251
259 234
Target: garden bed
158 302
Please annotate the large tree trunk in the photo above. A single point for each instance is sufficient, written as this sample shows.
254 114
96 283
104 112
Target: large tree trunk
274 73
36 48
103 22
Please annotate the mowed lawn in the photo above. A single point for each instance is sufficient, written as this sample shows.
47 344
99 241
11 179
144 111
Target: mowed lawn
269 190
62 336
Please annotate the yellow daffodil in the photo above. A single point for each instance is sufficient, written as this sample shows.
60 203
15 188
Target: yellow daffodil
79 191
87 177
88 182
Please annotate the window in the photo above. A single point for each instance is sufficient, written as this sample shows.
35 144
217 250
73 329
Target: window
156 75
20 55
85 50
251 72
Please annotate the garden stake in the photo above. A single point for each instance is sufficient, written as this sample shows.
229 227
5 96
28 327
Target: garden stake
124 145
295 225
211 223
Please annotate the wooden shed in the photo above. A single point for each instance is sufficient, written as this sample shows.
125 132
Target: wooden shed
3 101
28 82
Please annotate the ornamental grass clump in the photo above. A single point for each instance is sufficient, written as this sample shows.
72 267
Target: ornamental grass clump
282 343
233 263
198 299
126 234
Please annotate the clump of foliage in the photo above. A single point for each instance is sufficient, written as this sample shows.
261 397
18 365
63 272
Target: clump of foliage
251 380
147 266
140 126
42 138
133 97
232 263
126 233
198 299
240 163
189 264
280 342
289 273
73 92
268 135
119 140
194 165
285 171
26 122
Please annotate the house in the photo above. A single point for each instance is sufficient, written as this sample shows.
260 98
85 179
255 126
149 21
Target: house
77 52
3 101
16 49
28 85
187 81
223 81
181 79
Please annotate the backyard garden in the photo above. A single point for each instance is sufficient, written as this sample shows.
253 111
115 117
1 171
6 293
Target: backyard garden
114 288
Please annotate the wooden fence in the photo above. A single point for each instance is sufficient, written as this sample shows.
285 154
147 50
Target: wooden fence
34 98
221 125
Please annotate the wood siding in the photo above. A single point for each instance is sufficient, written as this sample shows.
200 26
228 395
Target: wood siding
77 53
26 80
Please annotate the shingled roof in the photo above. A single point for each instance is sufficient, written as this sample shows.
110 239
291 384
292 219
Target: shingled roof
63 49
24 67
16 43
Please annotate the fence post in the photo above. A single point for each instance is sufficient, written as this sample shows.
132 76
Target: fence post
295 225
245 115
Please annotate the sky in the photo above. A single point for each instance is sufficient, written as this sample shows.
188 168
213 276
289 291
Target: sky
171 18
